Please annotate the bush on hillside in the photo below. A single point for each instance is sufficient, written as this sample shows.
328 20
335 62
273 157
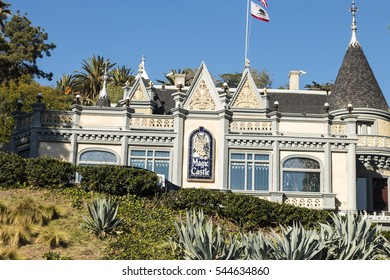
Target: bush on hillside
118 180
49 172
248 212
12 168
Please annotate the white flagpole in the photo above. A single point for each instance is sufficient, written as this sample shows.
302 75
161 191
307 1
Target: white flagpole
247 31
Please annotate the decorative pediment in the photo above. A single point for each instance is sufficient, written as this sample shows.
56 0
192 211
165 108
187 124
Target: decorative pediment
139 92
202 94
202 99
247 95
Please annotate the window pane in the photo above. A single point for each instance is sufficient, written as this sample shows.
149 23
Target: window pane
161 166
249 156
301 181
305 163
237 176
136 153
237 156
161 154
98 156
249 169
261 157
261 177
137 162
150 153
150 165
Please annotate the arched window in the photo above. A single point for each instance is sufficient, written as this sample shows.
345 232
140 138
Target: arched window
97 157
301 175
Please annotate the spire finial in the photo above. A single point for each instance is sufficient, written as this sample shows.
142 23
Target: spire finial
353 10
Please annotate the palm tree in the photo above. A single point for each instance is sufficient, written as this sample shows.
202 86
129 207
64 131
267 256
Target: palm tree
170 77
4 14
121 75
66 84
89 82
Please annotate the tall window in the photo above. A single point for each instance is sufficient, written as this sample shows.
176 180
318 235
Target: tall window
302 175
249 171
153 160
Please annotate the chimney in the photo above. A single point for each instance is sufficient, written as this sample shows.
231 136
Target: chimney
180 79
294 79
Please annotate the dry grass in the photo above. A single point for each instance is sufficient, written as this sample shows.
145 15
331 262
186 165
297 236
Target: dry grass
37 221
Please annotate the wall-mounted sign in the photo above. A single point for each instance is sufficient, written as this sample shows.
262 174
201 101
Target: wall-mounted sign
201 161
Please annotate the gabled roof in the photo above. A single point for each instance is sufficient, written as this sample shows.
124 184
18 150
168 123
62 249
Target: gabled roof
247 95
138 92
202 94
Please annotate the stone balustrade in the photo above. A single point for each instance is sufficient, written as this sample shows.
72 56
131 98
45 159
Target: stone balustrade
373 141
251 127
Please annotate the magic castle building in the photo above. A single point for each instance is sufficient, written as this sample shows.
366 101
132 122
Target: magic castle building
302 147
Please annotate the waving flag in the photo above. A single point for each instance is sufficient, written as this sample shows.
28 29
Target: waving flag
264 2
258 12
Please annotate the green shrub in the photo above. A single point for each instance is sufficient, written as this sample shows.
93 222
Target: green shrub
185 199
49 172
247 212
144 231
118 180
12 170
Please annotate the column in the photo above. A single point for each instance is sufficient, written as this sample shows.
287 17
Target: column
221 174
328 169
275 167
177 157
351 177
38 109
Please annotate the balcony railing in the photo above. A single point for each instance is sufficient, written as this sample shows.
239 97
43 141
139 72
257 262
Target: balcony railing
373 141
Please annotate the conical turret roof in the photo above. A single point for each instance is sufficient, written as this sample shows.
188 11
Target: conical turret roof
355 83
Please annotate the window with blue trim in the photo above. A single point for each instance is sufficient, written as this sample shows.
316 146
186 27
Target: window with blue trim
301 175
157 161
249 171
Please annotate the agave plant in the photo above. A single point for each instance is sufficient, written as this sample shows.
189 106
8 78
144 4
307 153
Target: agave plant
196 240
257 246
352 238
296 243
102 217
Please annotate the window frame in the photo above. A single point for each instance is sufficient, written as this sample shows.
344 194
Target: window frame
302 170
153 158
252 161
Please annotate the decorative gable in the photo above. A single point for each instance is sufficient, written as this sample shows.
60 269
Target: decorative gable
202 94
247 95
139 92
202 99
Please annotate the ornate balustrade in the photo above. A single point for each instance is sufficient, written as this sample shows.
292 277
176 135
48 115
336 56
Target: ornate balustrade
58 119
373 141
26 120
152 122
308 202
251 126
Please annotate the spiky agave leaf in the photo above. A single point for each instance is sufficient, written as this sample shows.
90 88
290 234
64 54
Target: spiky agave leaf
296 243
257 246
102 217
198 241
352 238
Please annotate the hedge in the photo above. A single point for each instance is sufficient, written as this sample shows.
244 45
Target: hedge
12 170
49 172
118 180
248 212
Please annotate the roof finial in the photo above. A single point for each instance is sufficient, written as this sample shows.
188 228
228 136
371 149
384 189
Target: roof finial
353 10
104 100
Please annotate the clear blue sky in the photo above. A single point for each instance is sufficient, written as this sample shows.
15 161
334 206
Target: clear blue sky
172 34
